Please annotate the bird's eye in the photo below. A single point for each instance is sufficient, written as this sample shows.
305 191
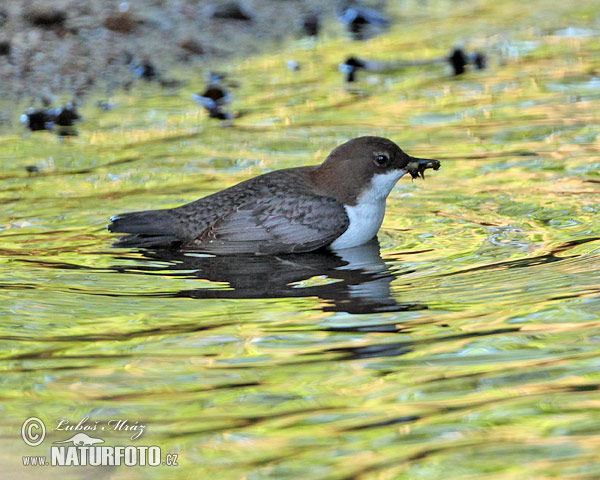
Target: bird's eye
381 160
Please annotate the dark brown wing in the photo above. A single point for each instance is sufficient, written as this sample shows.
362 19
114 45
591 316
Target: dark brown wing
279 224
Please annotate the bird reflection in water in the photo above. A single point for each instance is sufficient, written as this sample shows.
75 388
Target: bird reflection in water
357 279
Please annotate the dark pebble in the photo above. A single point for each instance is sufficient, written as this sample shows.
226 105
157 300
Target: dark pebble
214 99
46 17
363 23
37 119
458 61
215 93
311 25
46 118
232 11
120 23
192 46
479 60
66 116
355 62
349 68
4 48
146 71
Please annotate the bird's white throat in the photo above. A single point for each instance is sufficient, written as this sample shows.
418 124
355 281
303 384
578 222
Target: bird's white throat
367 215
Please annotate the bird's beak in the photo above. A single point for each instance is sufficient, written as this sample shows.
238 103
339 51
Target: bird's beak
417 166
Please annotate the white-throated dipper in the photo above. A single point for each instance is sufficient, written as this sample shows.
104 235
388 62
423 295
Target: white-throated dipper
340 204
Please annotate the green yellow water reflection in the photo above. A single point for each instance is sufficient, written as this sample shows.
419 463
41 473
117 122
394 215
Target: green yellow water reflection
479 357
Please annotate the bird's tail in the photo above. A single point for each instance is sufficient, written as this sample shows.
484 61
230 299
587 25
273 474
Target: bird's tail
150 228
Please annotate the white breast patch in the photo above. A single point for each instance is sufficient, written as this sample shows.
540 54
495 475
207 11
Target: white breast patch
367 215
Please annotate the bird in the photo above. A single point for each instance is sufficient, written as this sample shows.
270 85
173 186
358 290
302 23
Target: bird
338 204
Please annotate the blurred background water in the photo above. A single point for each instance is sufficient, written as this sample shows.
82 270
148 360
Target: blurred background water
463 345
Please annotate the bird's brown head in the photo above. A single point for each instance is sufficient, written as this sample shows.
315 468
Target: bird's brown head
362 165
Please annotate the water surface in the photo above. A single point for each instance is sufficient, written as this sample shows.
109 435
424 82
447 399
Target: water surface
463 345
